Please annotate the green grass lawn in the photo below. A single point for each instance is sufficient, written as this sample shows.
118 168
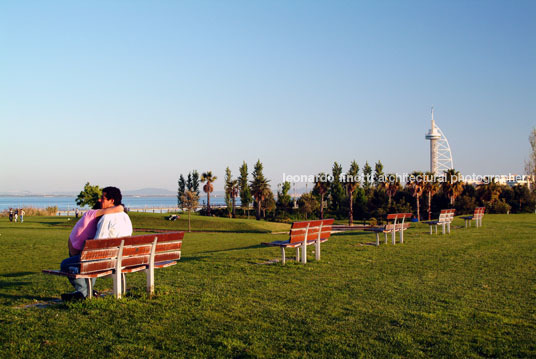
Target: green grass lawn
468 294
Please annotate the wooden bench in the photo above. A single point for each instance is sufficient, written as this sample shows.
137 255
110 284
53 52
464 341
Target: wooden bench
303 234
445 219
395 223
477 217
118 256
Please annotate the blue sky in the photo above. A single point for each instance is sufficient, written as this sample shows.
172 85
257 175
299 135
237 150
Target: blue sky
133 93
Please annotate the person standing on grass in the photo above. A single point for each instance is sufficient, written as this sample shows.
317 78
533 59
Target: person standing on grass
16 215
22 213
11 214
86 229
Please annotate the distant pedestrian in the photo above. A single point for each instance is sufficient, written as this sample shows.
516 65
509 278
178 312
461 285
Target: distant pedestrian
16 215
22 213
11 215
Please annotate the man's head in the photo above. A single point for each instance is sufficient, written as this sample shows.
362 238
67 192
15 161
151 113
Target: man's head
111 196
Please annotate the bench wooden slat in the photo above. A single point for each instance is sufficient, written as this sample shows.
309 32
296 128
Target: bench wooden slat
165 264
72 275
97 266
99 254
168 256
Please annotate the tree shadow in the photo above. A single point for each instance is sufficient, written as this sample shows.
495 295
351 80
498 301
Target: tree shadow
4 284
192 259
352 233
255 246
18 274
33 298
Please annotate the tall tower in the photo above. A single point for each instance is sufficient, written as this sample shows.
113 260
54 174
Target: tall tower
440 155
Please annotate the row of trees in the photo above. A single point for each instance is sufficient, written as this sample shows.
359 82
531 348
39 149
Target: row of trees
370 194
256 191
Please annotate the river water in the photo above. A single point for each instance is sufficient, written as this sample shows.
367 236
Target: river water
65 203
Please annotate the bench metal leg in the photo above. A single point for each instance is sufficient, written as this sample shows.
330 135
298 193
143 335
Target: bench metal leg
298 254
304 252
89 288
431 229
283 259
385 238
402 236
443 229
448 228
124 283
465 223
317 254
393 237
150 280
117 285
377 239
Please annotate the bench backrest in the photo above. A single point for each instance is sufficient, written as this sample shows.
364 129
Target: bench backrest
398 216
106 254
398 220
446 215
310 230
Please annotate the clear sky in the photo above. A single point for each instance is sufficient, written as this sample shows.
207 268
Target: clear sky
133 93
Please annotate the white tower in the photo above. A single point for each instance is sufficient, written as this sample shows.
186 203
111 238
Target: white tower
440 155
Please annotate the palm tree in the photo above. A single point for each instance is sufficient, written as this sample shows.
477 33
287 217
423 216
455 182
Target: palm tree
208 187
431 187
416 187
231 192
351 185
321 187
259 187
452 186
234 193
392 186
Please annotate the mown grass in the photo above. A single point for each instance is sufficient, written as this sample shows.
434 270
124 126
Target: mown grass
468 294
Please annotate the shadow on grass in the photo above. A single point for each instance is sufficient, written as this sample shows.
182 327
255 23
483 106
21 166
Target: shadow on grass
18 274
352 233
255 246
4 284
29 297
156 230
193 259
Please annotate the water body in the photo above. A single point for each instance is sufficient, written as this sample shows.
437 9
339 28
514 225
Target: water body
65 203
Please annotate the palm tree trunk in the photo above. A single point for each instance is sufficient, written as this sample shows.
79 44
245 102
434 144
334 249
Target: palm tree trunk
258 211
429 206
208 203
418 209
351 214
322 206
234 205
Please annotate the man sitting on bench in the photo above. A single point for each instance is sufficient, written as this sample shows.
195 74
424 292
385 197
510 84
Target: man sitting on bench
114 223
